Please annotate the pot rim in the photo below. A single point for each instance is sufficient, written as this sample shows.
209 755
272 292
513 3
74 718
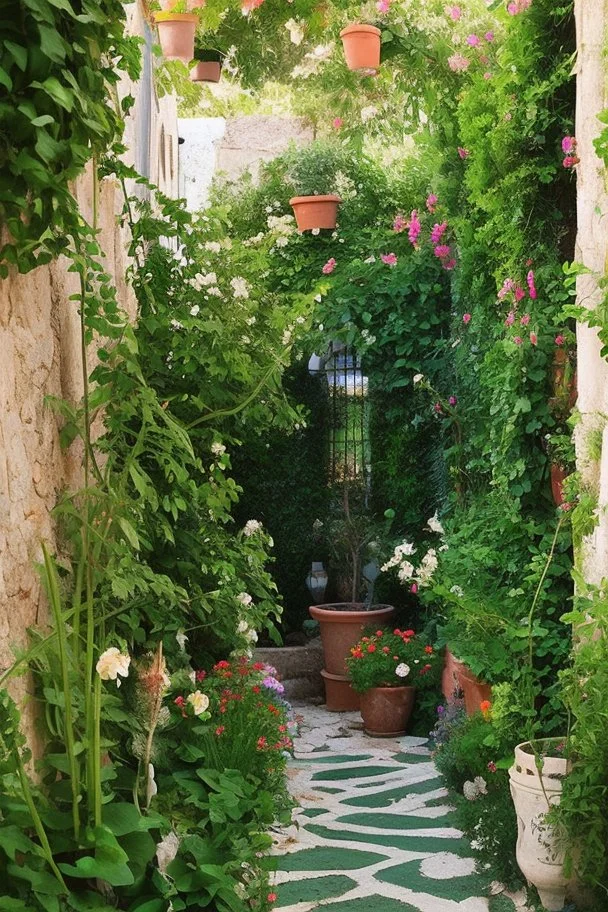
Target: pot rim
325 613
389 687
322 198
360 27
168 16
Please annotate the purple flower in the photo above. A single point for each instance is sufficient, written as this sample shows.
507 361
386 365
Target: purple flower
272 684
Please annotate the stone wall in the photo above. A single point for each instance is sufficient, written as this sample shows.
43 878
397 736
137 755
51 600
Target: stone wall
592 251
39 342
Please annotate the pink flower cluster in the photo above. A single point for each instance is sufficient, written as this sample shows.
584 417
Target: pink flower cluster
458 63
571 159
329 266
518 6
383 6
247 6
431 202
414 228
511 287
389 258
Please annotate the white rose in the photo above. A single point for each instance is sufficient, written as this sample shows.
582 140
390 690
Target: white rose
402 670
112 663
244 598
199 702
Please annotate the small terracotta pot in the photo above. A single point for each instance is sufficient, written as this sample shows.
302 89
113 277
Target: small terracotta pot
176 34
475 691
315 211
387 710
361 47
339 695
341 625
206 71
558 475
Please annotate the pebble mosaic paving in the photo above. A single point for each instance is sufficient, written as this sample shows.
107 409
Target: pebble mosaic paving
373 831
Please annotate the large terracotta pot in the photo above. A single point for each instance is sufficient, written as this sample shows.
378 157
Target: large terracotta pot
206 71
450 682
558 474
540 853
475 691
176 34
387 710
341 626
314 212
339 695
361 47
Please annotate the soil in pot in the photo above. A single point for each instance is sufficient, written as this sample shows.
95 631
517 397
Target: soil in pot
315 212
361 47
386 710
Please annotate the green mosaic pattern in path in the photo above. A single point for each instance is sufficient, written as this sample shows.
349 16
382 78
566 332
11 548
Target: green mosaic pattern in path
375 830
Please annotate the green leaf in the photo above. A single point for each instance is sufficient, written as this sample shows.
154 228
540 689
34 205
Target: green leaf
18 53
12 840
43 120
129 531
57 92
51 43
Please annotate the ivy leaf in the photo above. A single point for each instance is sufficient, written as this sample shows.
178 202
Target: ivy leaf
18 53
6 80
51 44
56 91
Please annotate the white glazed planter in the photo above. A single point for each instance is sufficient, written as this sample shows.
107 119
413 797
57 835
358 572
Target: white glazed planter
540 854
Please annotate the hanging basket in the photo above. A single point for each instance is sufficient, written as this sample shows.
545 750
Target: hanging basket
314 212
206 71
361 47
176 34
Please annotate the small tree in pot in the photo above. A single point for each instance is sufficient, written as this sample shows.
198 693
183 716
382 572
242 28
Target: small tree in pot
314 174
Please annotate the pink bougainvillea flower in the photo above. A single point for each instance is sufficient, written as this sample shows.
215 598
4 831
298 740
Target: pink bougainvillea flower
329 266
399 224
570 161
449 264
473 40
414 227
531 285
452 400
518 340
337 123
518 6
489 36
507 286
519 293
458 63
524 320
559 339
568 144
414 588
466 318
533 338
510 318
431 202
389 258
442 251
438 232
464 153
383 6
454 12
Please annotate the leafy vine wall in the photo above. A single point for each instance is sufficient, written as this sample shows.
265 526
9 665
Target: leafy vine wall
40 357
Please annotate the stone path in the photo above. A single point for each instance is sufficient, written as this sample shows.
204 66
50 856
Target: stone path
373 830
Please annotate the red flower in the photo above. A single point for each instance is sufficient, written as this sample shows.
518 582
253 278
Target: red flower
221 665
409 633
200 676
256 689
492 766
428 649
396 658
258 666
379 633
386 649
261 743
485 706
371 647
179 701
220 730
397 632
272 897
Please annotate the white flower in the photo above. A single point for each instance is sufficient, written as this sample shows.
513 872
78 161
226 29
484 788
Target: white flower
166 851
199 702
240 287
370 259
481 785
195 310
176 324
402 670
456 590
315 231
418 378
244 598
286 337
252 636
213 246
182 639
428 565
242 627
367 337
250 321
300 320
152 788
251 527
470 791
296 31
368 113
112 663
406 571
217 448
268 209
214 290
282 241
434 525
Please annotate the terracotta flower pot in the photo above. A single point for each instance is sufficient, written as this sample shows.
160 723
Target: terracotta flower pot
386 710
176 34
475 691
341 626
540 850
206 71
449 679
315 211
361 47
558 474
339 695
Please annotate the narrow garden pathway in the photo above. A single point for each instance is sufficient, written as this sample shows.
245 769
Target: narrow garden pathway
374 830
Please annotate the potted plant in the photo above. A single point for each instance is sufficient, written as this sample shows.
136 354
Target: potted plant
387 668
313 173
208 67
352 537
176 30
361 47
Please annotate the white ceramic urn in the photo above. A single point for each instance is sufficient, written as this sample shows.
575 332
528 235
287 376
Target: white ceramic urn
540 851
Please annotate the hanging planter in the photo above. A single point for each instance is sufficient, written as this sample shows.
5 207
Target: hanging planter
361 47
208 66
315 212
540 849
176 34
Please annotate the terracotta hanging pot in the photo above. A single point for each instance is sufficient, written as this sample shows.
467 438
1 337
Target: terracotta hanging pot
475 691
558 475
540 849
361 47
386 710
206 71
315 211
176 34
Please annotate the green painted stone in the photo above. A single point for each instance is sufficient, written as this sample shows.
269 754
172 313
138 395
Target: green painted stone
404 757
328 858
313 812
386 798
397 821
501 904
356 772
456 888
337 758
328 791
377 903
316 888
425 845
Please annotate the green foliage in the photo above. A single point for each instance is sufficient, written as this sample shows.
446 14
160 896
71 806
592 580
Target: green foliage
386 658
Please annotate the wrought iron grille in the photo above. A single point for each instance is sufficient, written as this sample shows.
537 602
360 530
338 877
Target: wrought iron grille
349 449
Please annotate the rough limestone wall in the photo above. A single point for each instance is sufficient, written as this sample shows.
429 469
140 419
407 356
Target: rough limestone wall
40 346
592 251
232 146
